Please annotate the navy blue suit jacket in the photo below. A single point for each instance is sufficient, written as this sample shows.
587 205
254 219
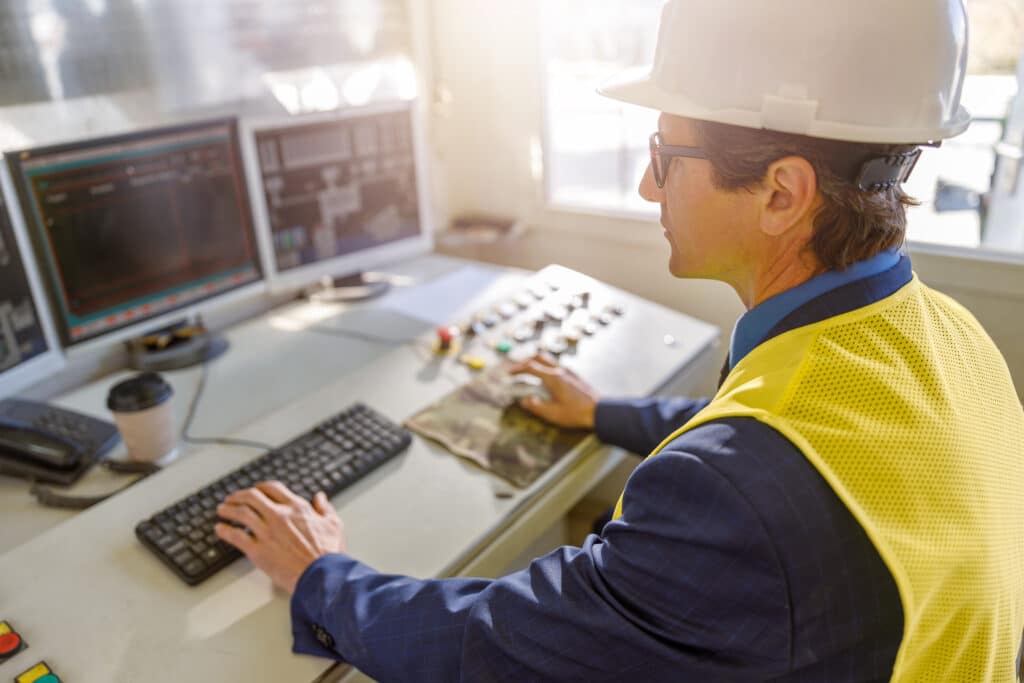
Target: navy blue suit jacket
733 561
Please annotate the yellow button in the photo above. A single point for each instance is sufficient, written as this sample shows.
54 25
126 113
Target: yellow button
474 362
40 670
4 628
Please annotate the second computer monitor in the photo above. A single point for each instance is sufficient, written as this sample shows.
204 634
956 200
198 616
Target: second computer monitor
338 194
28 348
134 230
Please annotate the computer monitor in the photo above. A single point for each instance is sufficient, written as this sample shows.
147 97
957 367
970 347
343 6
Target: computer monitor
133 232
337 194
28 347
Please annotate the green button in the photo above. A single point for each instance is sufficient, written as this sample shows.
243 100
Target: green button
503 347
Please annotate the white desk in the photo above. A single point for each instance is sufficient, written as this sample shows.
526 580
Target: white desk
97 606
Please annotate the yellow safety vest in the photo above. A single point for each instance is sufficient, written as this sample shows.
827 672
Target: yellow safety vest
907 409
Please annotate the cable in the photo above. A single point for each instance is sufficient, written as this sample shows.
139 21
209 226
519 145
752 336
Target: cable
47 497
217 440
50 498
422 350
359 336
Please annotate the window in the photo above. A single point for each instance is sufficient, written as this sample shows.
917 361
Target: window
596 149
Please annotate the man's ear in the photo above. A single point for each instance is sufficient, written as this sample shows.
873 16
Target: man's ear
790 195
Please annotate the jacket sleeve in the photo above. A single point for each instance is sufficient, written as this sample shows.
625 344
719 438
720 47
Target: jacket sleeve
639 426
685 586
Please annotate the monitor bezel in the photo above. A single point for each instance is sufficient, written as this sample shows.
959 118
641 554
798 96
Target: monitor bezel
73 348
296 279
35 370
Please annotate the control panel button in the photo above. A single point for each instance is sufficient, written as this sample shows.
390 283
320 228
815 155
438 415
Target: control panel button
524 333
446 339
11 642
524 300
556 347
538 291
474 362
40 673
556 313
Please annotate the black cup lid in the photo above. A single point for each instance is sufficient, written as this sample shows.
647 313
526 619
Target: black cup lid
138 393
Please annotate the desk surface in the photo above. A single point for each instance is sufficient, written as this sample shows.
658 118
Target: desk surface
92 602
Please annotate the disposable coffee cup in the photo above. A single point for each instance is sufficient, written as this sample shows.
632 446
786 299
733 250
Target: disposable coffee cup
144 414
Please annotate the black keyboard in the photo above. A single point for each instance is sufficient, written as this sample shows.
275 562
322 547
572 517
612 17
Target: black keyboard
329 457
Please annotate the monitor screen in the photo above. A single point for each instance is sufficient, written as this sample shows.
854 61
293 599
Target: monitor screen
138 226
22 337
339 187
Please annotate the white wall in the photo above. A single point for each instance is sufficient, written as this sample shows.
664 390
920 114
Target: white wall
488 121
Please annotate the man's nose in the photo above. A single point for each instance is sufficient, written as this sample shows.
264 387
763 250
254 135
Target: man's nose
649 189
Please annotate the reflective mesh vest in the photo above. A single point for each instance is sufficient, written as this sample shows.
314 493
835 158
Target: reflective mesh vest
907 409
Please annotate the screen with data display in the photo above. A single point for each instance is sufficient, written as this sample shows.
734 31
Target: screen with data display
135 227
338 187
21 331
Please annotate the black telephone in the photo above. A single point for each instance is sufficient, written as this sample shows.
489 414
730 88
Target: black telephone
48 444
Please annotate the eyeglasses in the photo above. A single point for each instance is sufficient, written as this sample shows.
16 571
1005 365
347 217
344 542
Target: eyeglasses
662 155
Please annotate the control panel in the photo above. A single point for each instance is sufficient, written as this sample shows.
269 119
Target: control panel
618 342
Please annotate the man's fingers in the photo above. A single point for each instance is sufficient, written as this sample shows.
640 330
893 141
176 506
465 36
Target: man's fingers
539 370
546 359
234 536
255 499
545 410
277 492
322 505
542 359
242 514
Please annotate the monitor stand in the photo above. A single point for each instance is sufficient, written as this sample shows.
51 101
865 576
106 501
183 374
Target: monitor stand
178 346
352 288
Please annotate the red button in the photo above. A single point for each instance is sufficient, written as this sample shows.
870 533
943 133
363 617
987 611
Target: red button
9 642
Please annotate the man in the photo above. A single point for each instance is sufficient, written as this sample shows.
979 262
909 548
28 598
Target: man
847 507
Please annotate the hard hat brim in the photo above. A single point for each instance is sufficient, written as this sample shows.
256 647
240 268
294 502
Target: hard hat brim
638 86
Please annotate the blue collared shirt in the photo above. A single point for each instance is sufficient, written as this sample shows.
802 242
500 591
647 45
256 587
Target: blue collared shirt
754 325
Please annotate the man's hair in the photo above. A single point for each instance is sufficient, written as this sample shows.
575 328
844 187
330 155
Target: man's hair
852 224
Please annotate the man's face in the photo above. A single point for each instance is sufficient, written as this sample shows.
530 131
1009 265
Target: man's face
708 229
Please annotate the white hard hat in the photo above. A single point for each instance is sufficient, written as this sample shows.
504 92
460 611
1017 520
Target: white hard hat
873 71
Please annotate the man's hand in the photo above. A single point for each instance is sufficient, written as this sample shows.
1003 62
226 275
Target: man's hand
573 401
283 533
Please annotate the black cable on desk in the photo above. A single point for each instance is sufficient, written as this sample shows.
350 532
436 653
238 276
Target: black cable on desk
358 336
218 440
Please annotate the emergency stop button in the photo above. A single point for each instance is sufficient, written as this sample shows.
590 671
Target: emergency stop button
11 642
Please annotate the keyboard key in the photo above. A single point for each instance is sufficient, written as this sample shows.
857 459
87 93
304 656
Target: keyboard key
195 567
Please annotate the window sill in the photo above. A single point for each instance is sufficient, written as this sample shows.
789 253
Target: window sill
982 271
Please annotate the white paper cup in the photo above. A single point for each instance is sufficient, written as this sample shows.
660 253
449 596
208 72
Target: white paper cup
144 414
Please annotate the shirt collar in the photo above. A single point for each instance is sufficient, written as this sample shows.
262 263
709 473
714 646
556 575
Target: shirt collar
754 325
